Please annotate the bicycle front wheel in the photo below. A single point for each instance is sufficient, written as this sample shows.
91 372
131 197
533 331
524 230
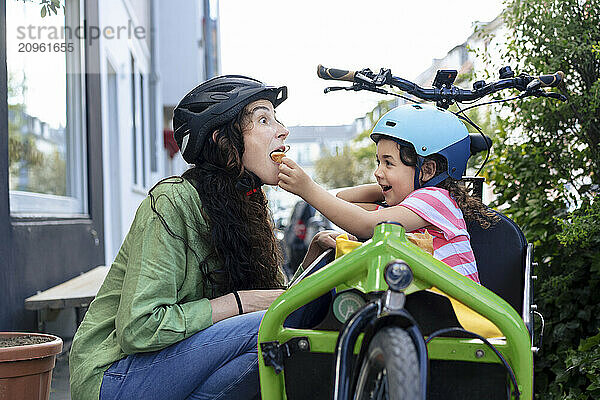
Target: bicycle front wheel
390 369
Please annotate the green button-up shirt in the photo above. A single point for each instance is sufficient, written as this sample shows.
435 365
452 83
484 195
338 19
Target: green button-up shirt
153 295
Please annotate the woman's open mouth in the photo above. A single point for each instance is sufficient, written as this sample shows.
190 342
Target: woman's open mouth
279 153
385 188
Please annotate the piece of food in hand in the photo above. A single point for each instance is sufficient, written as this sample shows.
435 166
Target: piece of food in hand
277 156
423 240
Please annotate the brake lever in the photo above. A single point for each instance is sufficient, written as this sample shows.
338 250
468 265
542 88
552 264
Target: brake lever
366 80
356 87
335 88
361 86
556 96
541 93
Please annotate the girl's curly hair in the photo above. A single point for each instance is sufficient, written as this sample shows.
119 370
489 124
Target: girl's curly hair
240 229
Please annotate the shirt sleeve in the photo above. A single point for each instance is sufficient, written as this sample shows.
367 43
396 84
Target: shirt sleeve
437 208
149 316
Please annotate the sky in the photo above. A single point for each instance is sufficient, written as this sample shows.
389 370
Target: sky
282 42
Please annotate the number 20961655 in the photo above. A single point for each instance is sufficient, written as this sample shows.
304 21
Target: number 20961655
27 47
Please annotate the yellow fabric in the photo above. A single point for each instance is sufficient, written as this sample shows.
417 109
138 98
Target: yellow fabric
343 245
469 319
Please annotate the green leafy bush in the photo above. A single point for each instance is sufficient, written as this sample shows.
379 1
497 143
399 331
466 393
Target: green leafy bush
546 171
569 364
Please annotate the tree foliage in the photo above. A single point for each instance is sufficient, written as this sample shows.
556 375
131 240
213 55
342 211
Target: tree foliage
546 162
45 172
356 164
50 6
342 169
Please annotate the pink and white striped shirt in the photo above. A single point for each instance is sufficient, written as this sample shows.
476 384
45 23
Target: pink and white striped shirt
451 241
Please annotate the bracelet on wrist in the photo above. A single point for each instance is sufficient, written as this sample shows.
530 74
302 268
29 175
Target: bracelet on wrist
239 302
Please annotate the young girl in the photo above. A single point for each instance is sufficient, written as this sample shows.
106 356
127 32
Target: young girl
422 153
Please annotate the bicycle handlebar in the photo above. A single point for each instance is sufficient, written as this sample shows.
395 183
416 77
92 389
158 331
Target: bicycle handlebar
335 74
445 94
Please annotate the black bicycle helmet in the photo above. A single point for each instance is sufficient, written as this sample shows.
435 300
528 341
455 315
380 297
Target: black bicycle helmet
214 103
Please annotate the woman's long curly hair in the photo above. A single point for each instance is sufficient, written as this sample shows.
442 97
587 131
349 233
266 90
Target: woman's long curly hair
241 233
472 208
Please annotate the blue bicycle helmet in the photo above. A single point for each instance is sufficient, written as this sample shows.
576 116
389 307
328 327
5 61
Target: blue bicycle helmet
430 130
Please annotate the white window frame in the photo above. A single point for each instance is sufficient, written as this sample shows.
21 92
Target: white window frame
141 147
29 204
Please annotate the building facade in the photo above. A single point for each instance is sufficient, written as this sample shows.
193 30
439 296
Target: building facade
488 42
489 38
307 145
85 128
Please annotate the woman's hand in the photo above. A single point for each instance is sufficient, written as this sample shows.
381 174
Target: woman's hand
320 242
252 300
293 179
258 300
326 239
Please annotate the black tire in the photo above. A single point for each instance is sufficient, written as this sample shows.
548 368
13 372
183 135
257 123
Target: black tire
390 369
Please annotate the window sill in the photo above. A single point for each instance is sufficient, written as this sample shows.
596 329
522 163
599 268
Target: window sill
50 219
139 190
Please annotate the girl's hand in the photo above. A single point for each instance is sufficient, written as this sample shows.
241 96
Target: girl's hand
293 179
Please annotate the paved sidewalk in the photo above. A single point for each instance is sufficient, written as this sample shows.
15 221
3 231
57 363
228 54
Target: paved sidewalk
60 389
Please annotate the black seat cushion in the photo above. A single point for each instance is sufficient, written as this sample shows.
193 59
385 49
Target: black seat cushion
500 254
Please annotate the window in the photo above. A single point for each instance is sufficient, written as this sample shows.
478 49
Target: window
46 110
134 123
114 177
143 130
138 129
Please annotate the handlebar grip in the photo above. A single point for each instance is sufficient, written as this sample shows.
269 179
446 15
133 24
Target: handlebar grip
552 80
335 74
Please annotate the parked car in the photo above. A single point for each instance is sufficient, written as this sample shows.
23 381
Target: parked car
304 223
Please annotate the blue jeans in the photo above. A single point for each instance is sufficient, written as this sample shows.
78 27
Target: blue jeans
219 362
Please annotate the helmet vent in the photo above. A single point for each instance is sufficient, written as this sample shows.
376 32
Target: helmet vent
223 88
418 107
390 123
198 107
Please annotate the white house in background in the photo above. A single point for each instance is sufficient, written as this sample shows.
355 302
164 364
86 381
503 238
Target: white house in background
142 79
185 60
489 39
307 145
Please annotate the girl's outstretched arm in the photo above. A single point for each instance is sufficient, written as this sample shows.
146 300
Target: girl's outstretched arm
347 216
369 193
364 196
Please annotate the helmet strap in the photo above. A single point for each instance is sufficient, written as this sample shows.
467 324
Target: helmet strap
433 181
418 165
436 179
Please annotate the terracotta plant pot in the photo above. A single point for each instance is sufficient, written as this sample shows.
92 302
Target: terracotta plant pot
26 370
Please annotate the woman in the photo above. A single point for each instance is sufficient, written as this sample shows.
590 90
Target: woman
178 314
